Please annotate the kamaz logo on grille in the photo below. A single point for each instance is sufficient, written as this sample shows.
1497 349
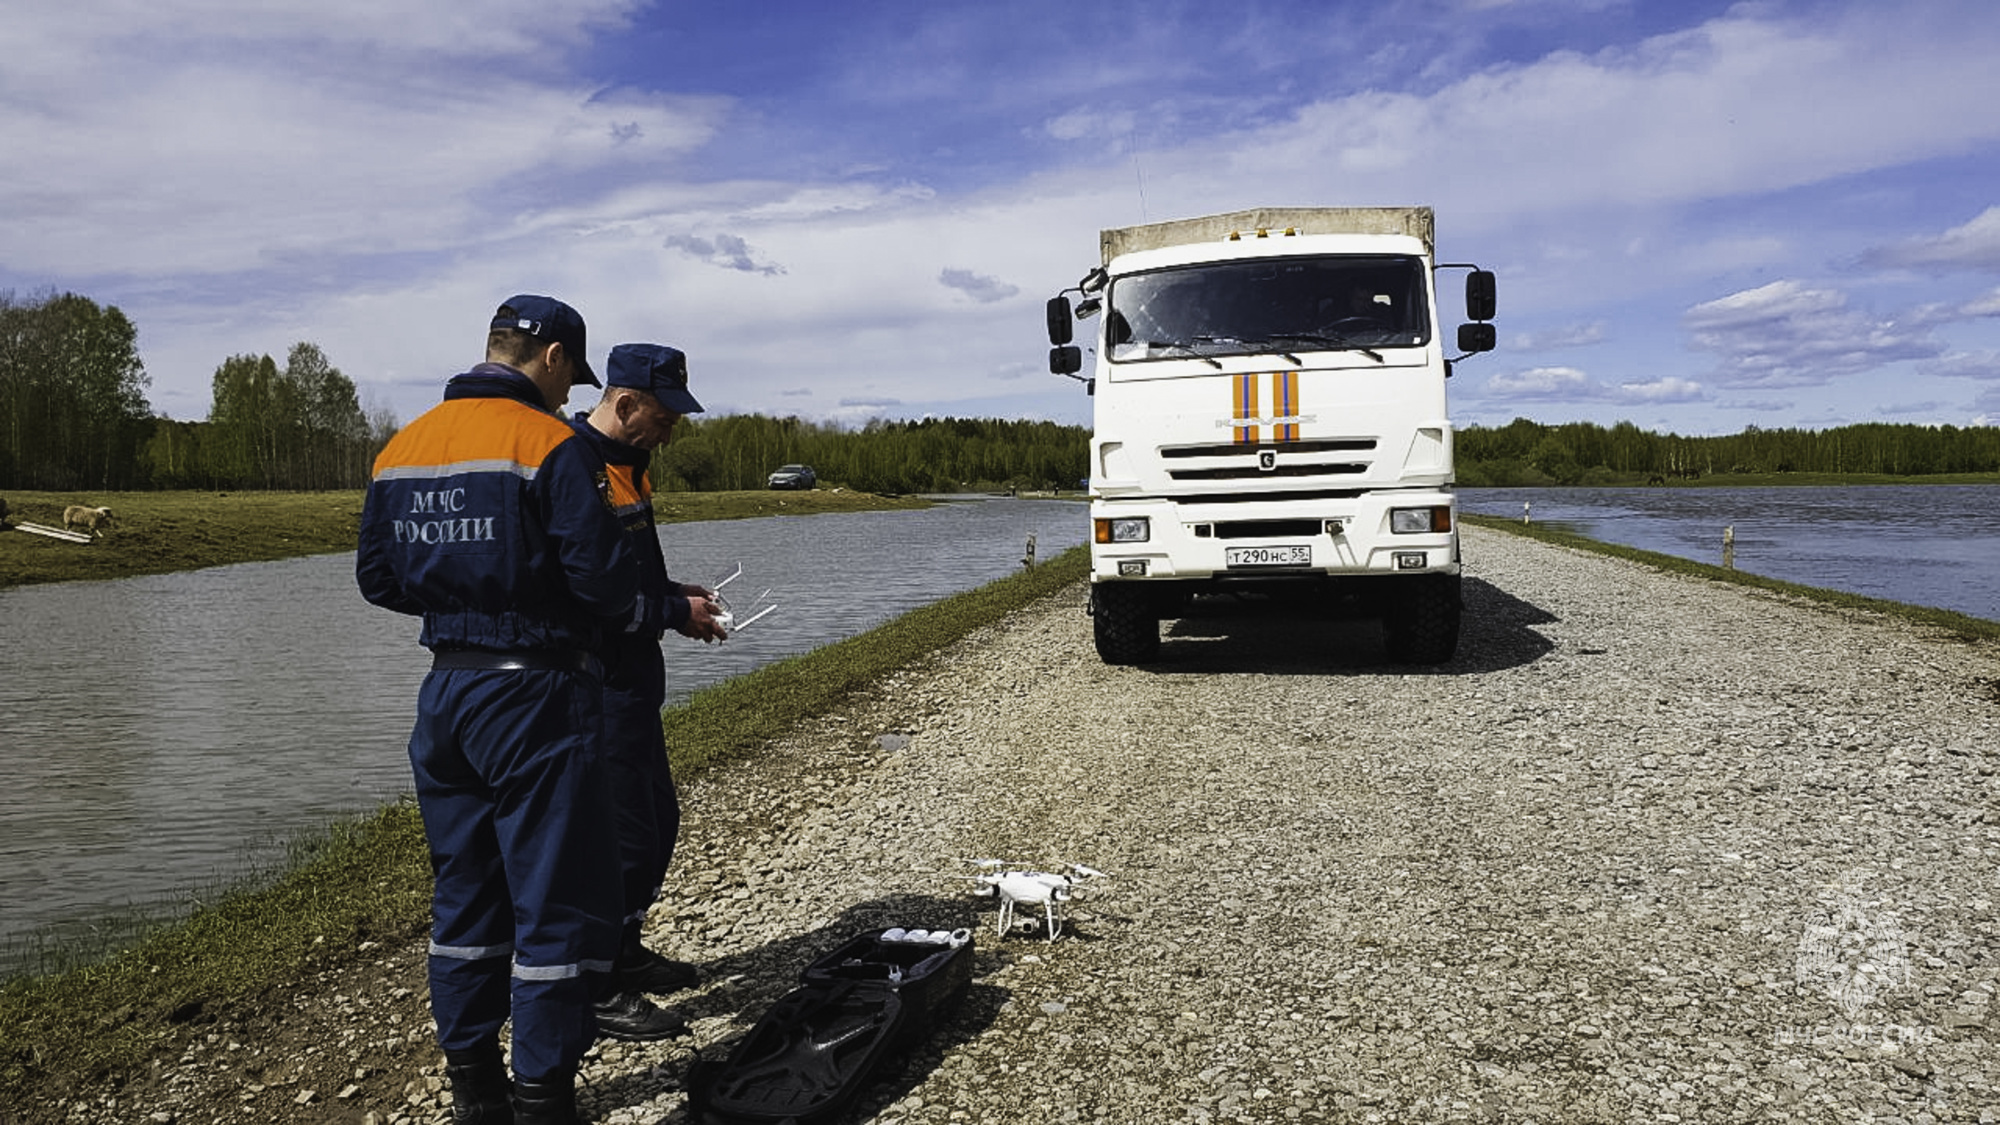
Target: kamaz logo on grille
1267 459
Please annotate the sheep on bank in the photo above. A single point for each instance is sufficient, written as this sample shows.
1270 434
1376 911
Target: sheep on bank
76 515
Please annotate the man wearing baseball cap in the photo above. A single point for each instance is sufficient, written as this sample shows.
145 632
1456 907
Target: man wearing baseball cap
545 322
645 395
490 518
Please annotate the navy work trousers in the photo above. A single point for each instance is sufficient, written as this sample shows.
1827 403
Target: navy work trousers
649 811
517 806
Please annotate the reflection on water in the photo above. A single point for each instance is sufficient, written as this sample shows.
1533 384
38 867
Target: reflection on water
163 733
1925 544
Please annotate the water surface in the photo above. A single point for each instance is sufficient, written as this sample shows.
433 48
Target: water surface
168 732
1926 544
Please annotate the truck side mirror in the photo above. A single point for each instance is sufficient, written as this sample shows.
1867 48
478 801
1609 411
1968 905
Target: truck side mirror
1479 295
1059 321
1065 360
1476 337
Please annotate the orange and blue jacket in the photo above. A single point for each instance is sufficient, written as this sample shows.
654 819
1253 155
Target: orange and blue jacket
633 661
491 520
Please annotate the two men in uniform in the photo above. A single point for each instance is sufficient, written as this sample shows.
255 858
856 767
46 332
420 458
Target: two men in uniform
499 524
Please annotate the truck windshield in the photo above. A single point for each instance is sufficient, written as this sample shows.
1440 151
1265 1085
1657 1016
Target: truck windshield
1269 305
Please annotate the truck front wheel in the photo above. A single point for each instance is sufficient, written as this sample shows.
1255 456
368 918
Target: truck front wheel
1421 625
1126 623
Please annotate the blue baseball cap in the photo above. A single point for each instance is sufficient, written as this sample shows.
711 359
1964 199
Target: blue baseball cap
546 318
658 370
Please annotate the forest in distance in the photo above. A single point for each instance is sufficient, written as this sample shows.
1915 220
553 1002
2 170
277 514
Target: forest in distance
74 417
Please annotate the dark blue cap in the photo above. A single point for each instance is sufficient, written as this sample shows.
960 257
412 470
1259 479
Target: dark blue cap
546 318
658 370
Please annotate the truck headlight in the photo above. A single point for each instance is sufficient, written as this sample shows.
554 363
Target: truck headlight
1419 521
1125 529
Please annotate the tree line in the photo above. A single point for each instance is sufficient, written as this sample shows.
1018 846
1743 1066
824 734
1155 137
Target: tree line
74 415
933 455
73 410
1530 453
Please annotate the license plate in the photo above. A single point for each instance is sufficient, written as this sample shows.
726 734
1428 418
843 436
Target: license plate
1297 555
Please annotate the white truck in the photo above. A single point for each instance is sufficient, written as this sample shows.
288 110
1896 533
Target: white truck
1270 422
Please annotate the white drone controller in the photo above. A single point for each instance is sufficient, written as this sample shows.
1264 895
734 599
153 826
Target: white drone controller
725 615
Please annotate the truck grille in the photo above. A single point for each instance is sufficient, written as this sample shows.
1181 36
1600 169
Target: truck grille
1337 445
1252 472
1243 461
1267 529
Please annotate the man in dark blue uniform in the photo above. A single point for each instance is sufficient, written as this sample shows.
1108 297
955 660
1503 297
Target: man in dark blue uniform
645 395
491 519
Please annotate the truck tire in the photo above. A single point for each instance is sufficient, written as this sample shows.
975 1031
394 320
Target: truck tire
1421 626
1125 623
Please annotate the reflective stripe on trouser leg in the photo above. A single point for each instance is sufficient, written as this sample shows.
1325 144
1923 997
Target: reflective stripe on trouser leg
472 916
556 823
531 738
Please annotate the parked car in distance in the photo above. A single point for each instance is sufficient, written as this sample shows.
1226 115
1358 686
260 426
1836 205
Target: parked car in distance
794 476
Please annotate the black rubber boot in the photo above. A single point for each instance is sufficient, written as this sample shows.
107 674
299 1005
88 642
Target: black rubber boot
479 1087
635 1019
639 969
546 1101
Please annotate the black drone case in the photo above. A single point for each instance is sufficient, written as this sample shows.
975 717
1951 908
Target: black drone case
810 1056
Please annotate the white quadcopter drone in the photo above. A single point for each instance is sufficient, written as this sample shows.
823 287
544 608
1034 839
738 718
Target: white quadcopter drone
1016 884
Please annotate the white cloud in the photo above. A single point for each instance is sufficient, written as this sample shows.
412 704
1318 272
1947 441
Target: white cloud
977 286
1716 110
1972 245
1079 125
1986 404
1569 384
1786 334
1669 389
725 250
244 175
1543 384
1983 364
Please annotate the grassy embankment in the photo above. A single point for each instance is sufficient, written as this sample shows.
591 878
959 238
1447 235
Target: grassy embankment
1478 475
368 879
1760 480
162 532
1962 625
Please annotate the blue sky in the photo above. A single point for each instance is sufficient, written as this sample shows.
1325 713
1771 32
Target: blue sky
1704 216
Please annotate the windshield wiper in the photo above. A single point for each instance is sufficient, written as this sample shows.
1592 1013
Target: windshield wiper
1252 345
1334 342
1187 349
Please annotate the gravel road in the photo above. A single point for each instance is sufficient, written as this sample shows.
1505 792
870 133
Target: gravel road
1651 849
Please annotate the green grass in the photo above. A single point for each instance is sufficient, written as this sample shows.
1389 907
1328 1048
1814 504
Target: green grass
162 532
369 879
353 881
1961 625
1490 475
